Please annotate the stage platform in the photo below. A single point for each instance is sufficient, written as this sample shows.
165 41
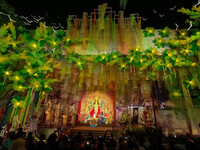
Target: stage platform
83 128
96 131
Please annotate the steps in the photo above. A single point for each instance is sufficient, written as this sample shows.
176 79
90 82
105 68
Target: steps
96 131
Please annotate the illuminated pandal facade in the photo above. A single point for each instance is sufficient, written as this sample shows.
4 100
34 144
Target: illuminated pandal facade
100 94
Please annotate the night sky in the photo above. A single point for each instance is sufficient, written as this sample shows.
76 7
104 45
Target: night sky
154 13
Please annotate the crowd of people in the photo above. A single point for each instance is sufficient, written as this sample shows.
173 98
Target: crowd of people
151 139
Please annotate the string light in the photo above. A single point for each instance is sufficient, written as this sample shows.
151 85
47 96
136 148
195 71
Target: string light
198 43
29 63
150 31
79 63
29 71
187 51
14 44
153 51
17 104
7 73
54 43
68 39
103 57
17 78
34 45
183 34
169 65
137 49
193 64
123 65
114 56
192 82
176 94
20 87
170 54
46 86
35 74
36 84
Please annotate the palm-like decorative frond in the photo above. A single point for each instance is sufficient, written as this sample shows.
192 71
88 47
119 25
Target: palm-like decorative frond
114 58
103 58
36 58
17 101
122 65
176 94
165 32
80 63
180 61
149 31
159 42
158 64
187 51
17 77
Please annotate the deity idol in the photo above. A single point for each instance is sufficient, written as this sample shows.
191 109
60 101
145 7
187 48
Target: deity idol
48 114
65 115
57 114
87 108
109 118
96 109
93 121
106 109
101 118
74 113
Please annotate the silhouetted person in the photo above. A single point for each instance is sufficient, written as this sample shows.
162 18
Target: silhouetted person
100 143
90 136
30 142
19 143
51 142
40 145
79 138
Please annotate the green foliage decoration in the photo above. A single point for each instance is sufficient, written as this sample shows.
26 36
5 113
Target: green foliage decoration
159 42
149 31
164 32
28 58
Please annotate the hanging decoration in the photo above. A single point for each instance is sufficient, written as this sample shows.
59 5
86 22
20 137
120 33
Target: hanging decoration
33 61
123 3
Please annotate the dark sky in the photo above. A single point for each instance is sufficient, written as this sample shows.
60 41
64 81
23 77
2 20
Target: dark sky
57 11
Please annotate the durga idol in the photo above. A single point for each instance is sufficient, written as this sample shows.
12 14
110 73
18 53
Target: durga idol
95 110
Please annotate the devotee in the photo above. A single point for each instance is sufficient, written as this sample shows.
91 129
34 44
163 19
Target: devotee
90 136
8 140
40 145
19 143
30 142
1 143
